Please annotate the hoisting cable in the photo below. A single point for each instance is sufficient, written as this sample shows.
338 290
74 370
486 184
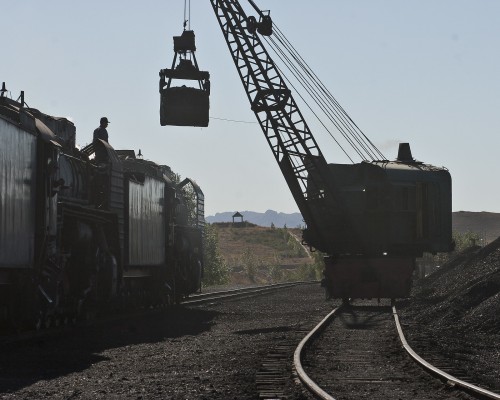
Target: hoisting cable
187 14
354 130
321 103
320 94
314 113
325 91
336 119
309 90
331 111
300 61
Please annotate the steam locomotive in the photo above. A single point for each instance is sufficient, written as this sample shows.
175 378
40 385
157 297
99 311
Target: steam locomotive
80 233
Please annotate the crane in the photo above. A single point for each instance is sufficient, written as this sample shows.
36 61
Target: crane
371 219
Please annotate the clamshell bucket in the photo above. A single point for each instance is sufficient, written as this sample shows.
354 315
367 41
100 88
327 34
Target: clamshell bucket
182 105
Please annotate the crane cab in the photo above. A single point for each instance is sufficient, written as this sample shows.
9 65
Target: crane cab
400 207
384 214
183 105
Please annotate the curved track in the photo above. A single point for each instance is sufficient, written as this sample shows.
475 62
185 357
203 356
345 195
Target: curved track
360 347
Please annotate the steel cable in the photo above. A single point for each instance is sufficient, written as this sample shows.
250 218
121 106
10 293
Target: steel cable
322 92
308 70
332 114
311 109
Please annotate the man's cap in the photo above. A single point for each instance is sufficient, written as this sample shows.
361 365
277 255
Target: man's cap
104 119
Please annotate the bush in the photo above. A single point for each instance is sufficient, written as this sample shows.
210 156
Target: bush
216 271
429 262
250 264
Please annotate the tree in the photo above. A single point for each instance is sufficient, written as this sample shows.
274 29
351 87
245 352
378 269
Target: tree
216 271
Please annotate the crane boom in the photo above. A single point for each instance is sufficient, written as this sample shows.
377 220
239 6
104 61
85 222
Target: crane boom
284 127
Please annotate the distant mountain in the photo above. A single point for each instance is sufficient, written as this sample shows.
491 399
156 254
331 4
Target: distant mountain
279 219
486 224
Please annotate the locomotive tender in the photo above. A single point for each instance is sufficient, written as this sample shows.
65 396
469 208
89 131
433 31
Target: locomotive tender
77 235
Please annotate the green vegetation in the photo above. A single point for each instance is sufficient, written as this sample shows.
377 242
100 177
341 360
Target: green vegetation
250 264
279 239
275 272
429 262
216 271
319 263
466 240
259 255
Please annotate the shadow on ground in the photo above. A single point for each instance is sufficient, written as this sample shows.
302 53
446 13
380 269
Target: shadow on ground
75 350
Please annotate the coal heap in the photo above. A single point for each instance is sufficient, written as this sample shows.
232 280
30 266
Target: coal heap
457 310
464 293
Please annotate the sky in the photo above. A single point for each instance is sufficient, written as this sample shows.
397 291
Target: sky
425 72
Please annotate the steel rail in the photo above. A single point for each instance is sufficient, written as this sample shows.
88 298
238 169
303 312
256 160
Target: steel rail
233 293
321 394
297 359
436 371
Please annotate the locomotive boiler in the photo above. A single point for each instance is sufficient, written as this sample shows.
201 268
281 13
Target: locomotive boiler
78 234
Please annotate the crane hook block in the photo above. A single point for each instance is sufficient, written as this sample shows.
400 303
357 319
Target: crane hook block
185 42
264 26
183 105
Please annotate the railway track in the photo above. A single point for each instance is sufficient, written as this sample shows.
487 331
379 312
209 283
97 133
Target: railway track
195 299
200 298
361 352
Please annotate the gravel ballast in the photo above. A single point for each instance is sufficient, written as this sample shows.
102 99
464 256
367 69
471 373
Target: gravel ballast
209 352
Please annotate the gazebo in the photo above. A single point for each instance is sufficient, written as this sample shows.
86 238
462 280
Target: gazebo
237 214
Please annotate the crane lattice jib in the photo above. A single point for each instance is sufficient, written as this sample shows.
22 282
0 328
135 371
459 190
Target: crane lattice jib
286 131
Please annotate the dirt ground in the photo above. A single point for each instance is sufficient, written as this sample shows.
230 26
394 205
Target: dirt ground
209 352
216 351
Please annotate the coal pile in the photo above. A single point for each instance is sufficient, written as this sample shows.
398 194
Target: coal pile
458 308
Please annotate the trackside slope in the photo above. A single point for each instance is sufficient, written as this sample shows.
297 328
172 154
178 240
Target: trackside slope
458 307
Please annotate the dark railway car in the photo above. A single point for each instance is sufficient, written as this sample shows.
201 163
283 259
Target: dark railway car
393 211
156 235
77 235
